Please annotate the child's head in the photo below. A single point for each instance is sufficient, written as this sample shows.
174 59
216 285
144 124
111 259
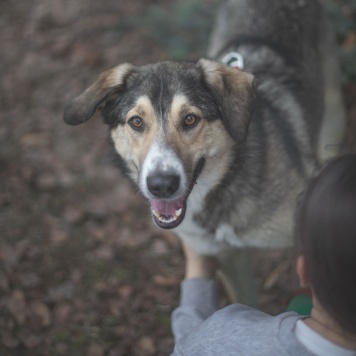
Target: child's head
326 234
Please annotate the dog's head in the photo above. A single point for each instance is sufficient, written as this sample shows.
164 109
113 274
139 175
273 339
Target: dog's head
171 123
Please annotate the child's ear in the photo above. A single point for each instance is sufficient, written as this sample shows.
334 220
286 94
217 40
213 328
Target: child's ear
302 272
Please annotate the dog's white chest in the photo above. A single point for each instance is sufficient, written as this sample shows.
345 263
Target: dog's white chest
203 240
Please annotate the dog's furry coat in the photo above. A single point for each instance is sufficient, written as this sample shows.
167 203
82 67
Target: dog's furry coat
249 139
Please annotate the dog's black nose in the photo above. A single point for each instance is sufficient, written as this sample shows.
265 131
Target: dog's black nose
163 185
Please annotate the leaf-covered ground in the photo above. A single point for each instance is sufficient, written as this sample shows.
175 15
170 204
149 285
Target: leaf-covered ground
83 271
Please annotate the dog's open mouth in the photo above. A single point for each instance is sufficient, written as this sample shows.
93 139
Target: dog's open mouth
168 214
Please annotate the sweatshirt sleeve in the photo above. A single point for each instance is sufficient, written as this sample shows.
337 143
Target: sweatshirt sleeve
198 301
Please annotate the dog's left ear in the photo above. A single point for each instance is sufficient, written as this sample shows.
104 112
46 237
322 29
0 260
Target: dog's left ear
234 93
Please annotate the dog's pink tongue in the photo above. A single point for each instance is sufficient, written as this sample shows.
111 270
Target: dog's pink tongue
167 207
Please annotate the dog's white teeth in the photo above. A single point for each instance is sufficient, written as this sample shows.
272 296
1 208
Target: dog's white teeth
163 219
166 221
156 213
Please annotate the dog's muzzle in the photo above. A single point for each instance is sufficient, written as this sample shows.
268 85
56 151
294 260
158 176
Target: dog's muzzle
169 213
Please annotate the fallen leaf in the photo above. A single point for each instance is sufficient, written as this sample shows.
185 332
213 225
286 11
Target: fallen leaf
58 236
349 41
17 306
65 290
9 341
30 279
47 181
30 340
166 281
171 238
146 346
114 307
4 282
102 286
106 252
275 275
62 312
96 350
125 291
159 247
40 315
73 215
11 255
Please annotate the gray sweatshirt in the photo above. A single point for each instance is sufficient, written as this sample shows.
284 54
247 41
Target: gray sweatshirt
235 330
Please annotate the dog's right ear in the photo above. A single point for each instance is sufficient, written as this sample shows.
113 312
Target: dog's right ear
233 91
83 107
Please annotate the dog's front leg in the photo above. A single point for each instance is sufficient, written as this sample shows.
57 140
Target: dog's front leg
237 275
236 266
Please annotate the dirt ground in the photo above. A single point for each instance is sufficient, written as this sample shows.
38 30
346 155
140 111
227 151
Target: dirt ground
83 271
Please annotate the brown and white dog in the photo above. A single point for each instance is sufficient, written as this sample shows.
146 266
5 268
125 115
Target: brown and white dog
220 153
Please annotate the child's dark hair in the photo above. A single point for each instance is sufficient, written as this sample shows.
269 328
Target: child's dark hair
326 234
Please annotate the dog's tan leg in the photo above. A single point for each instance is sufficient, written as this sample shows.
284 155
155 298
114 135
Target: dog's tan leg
237 274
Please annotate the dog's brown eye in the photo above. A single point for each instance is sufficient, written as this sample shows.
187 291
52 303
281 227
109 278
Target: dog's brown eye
136 122
190 120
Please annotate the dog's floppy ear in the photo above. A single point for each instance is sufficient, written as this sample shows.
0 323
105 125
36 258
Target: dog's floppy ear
234 93
83 107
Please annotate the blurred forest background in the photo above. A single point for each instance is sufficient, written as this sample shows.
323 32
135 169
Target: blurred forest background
83 271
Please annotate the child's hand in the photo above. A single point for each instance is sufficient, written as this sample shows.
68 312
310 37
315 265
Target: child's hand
198 266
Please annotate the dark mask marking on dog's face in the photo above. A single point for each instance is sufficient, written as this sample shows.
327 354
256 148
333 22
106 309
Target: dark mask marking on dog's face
160 83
